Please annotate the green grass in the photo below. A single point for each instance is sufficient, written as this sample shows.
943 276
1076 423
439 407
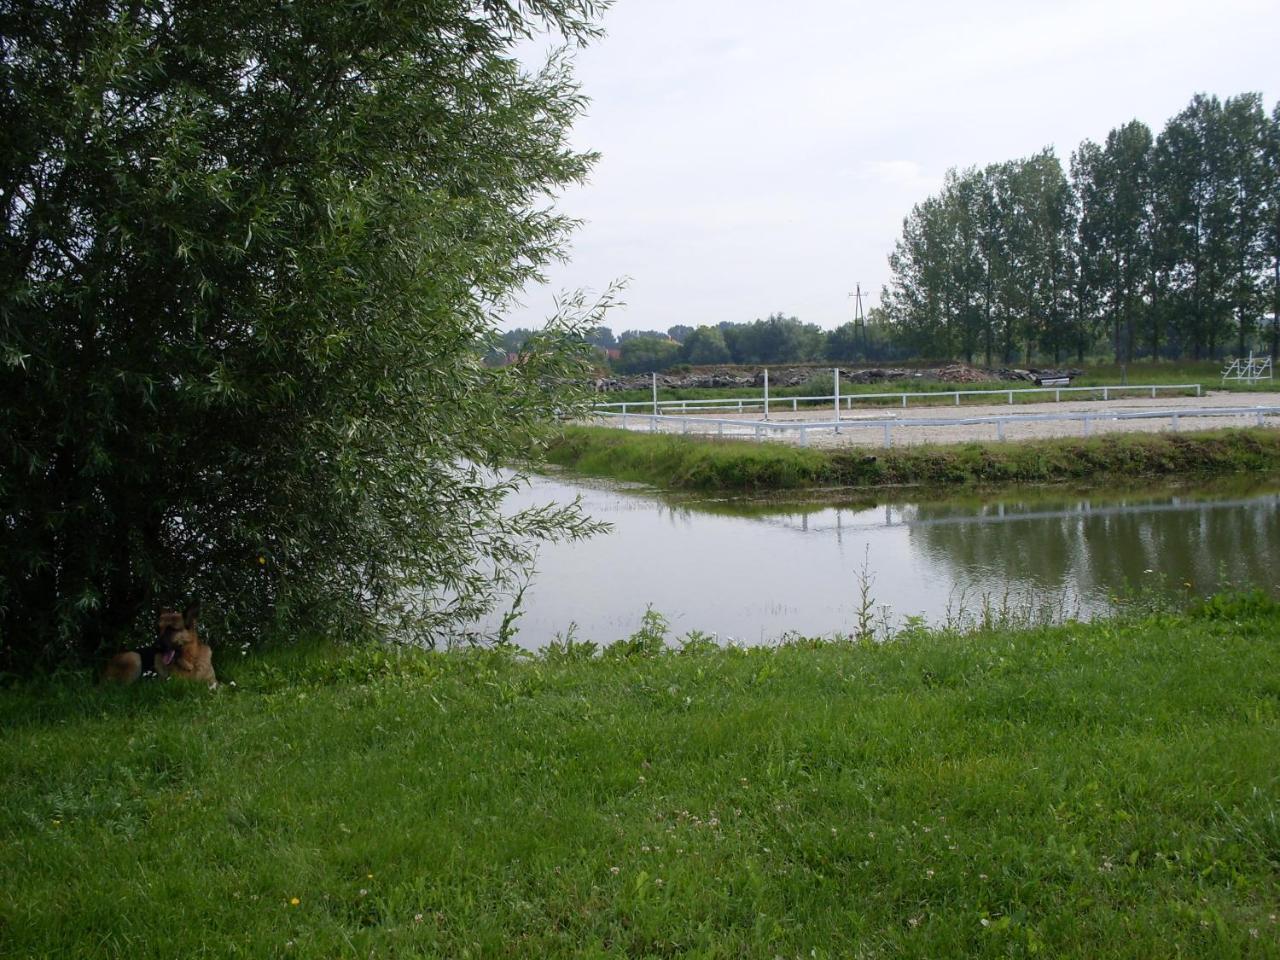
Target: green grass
690 463
1104 790
1206 373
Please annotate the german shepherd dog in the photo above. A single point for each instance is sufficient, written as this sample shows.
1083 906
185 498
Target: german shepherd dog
177 652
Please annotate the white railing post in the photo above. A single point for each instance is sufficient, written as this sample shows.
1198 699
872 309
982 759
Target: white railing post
999 429
766 393
888 438
837 397
654 375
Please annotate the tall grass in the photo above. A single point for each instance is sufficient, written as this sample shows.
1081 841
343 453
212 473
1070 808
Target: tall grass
681 462
1102 790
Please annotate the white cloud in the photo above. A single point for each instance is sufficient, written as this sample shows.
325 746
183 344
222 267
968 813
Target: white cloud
758 157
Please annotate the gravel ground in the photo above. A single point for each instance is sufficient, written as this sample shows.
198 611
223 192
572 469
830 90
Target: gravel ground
873 419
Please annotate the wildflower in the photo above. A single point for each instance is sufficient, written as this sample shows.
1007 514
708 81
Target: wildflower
614 871
262 561
658 882
417 918
364 892
642 779
294 901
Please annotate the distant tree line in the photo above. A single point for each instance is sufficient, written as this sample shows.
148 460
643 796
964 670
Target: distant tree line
775 340
1163 246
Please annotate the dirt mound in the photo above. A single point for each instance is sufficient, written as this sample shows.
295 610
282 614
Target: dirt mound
794 376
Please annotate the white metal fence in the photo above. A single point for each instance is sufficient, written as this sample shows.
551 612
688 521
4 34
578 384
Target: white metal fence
763 429
1248 371
846 401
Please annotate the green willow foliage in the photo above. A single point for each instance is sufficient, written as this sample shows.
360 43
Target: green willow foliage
1156 246
251 257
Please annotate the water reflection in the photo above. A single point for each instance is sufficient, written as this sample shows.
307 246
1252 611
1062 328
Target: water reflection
752 571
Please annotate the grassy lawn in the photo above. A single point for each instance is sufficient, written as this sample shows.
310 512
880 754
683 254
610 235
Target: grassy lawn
1207 373
1109 790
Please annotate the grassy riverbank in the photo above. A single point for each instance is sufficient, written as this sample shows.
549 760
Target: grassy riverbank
688 463
1104 790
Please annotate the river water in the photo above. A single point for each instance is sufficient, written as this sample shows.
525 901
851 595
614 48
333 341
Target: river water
752 571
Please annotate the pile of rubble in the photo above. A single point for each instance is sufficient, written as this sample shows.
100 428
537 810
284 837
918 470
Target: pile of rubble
731 377
1036 376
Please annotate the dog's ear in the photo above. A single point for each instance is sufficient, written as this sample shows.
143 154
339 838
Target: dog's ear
190 614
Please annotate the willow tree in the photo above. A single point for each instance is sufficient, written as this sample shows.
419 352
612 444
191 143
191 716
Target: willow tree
251 256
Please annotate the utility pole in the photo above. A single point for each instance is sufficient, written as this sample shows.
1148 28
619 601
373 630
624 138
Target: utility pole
860 322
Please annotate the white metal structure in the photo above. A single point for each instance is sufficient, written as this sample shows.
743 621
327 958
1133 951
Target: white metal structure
846 400
773 428
1248 371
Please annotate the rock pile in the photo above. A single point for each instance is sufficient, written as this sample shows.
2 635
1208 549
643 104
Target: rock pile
1035 376
795 376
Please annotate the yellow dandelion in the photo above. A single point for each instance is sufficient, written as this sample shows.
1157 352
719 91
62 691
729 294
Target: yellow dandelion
262 561
293 902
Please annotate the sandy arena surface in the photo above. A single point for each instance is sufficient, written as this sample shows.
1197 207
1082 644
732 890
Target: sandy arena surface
864 425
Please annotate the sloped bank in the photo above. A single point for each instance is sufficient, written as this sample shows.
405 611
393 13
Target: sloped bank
1086 790
685 463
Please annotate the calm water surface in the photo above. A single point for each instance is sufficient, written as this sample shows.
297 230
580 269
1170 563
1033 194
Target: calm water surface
752 572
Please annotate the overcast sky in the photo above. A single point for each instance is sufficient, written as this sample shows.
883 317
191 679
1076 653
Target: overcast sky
760 156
